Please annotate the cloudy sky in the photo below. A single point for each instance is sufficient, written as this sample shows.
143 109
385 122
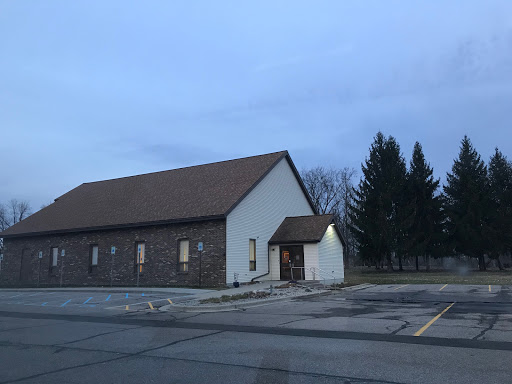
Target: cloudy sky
91 90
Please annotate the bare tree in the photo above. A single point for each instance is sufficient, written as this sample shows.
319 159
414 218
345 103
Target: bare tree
3 218
13 212
330 190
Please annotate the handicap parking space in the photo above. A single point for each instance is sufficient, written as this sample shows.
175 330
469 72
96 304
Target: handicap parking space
98 299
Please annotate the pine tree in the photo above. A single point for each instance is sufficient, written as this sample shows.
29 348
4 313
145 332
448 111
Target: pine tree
466 204
376 210
500 184
426 231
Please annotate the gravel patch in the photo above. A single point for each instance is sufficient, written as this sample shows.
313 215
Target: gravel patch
256 296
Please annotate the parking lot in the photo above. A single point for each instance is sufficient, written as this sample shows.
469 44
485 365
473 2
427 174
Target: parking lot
373 334
84 301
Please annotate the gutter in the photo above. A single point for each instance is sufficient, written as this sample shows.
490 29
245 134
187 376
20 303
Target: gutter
268 266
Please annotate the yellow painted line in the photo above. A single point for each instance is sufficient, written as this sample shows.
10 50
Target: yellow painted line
169 300
396 289
424 328
444 286
489 288
150 305
127 307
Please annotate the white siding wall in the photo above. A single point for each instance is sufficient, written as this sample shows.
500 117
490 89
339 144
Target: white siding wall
330 253
257 216
310 259
275 269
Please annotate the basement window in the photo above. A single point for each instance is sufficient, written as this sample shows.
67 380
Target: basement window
93 258
140 250
183 256
252 255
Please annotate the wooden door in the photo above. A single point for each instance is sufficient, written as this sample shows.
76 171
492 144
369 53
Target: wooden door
26 266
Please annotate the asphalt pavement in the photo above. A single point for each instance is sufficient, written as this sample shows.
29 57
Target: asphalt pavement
379 334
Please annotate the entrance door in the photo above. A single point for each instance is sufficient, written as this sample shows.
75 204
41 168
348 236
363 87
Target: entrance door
292 262
26 268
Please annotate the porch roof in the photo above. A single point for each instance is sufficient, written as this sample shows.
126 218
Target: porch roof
301 229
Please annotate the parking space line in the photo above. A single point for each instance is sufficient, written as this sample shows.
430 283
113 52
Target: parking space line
126 296
143 302
169 300
108 298
65 303
489 288
86 301
44 304
142 293
127 307
444 286
425 327
150 305
396 289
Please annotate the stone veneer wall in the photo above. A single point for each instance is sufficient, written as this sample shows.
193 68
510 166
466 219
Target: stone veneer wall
161 257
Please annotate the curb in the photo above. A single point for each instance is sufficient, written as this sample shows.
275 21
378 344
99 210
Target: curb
234 307
359 287
190 291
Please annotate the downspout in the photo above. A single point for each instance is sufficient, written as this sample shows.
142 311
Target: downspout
268 266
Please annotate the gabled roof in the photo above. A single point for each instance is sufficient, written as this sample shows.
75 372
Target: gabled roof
302 229
196 193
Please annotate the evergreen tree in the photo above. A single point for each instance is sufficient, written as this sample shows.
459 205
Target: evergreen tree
376 210
466 204
425 234
500 184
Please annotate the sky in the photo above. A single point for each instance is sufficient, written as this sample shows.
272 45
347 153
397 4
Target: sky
94 89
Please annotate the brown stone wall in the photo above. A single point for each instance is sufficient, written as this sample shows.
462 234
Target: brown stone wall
22 267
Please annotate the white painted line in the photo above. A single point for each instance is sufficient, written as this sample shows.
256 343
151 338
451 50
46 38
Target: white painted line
145 302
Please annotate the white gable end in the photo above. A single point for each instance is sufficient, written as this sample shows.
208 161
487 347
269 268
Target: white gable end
258 216
330 250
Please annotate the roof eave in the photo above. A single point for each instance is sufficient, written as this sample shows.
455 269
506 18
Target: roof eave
113 227
288 242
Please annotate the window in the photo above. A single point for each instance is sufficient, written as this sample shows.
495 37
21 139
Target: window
54 257
93 258
140 248
183 256
252 255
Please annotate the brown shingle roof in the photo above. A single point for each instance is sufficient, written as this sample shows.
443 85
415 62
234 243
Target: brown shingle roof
301 229
193 193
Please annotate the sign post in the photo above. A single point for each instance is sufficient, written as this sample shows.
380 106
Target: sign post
40 256
139 250
62 254
200 249
112 253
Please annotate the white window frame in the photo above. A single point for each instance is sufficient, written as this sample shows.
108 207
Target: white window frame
252 254
183 255
55 256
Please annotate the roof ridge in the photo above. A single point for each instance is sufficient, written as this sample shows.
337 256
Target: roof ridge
190 166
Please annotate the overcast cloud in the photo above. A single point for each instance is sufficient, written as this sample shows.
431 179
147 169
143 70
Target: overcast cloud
91 90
